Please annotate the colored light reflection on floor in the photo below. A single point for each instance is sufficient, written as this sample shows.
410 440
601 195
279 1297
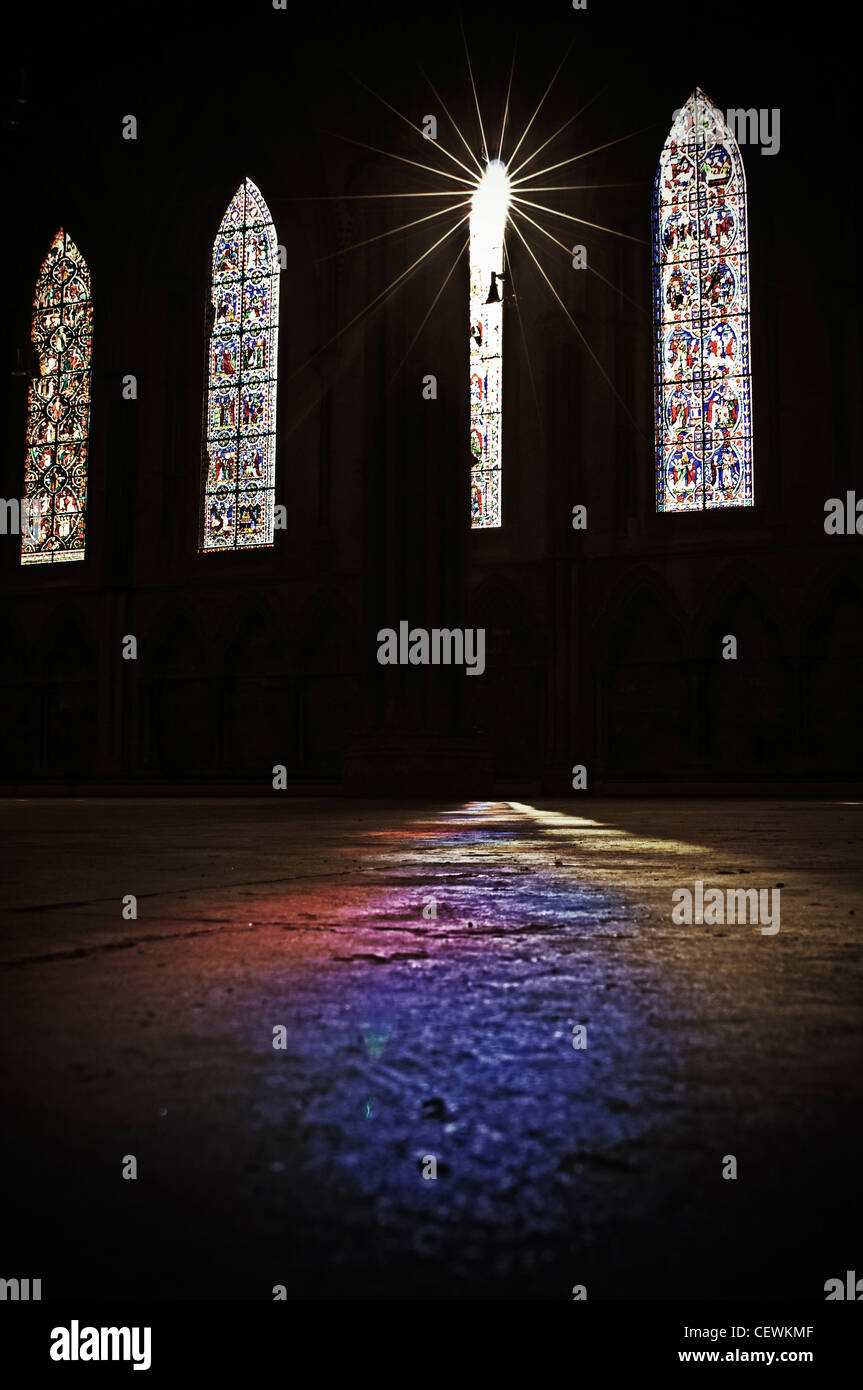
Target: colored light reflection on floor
449 981
560 823
430 988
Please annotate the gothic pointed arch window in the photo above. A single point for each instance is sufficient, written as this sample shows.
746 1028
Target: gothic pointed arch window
701 316
487 257
239 470
58 415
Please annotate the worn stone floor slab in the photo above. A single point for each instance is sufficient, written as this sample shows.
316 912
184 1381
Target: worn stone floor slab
428 964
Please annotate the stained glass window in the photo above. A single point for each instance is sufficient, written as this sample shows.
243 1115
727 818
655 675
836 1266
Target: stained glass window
55 475
487 224
701 313
240 441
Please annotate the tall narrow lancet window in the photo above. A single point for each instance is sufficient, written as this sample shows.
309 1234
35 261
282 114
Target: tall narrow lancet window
55 475
701 307
240 441
487 223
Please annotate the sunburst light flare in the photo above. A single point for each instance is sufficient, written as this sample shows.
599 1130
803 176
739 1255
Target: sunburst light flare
490 198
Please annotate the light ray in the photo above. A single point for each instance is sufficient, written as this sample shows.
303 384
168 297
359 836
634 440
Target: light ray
475 97
570 217
524 189
360 144
572 160
391 231
531 157
449 192
452 119
577 187
363 197
539 103
458 256
436 143
378 297
445 192
506 105
617 290
593 355
568 250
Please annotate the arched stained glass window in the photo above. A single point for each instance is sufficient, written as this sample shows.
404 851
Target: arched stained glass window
55 476
487 227
240 428
701 314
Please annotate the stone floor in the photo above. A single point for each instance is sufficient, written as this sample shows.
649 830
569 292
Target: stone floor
442 1033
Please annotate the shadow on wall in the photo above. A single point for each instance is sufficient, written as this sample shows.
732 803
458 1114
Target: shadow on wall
50 695
252 697
646 688
670 704
747 704
333 695
832 677
181 704
506 705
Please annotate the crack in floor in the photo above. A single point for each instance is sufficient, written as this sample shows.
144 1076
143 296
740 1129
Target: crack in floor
81 951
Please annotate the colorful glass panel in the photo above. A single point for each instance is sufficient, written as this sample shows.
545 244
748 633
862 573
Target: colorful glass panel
701 316
240 427
487 224
58 416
